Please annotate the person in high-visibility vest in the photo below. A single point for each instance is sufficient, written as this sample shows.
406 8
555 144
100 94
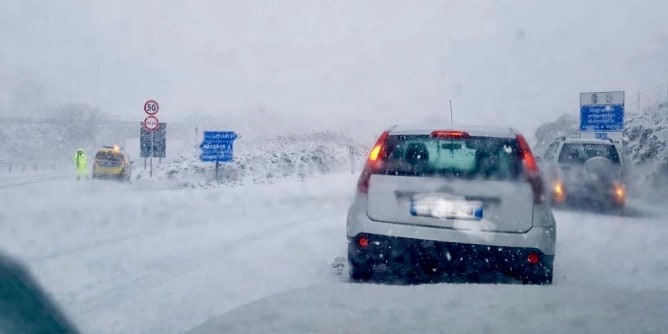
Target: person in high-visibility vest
81 162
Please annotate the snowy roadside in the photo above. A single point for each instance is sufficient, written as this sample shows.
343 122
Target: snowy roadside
262 160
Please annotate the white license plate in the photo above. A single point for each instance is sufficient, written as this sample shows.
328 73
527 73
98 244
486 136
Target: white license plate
436 206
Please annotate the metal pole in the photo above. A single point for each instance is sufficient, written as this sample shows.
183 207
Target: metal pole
144 163
217 164
451 119
151 172
352 160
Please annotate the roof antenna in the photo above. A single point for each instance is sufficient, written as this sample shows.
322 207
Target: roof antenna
451 121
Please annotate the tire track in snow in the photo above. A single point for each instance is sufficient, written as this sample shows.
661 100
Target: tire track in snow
161 270
31 180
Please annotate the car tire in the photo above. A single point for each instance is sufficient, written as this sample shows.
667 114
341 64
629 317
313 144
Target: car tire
360 272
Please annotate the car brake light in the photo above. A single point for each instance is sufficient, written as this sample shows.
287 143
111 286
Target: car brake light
531 169
450 134
373 163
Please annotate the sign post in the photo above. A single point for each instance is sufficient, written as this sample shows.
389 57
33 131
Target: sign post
218 146
602 115
147 133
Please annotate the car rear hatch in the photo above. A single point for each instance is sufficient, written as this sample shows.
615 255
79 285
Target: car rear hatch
452 181
589 165
109 160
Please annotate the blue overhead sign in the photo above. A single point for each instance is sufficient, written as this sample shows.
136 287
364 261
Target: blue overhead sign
218 146
602 118
602 112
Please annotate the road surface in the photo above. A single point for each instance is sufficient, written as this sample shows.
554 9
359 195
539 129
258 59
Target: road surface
144 258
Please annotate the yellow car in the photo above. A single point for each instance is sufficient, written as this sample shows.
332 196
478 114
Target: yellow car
110 162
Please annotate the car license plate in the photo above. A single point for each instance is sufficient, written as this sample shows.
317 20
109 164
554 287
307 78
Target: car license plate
438 206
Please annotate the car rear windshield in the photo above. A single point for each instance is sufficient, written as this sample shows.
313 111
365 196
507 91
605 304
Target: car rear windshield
580 152
108 156
474 157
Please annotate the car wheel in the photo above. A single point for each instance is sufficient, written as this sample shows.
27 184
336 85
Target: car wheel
360 272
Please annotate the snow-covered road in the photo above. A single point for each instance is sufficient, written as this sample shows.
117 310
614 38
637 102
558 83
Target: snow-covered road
133 258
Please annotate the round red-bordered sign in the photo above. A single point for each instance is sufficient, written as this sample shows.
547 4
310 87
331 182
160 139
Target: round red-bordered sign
151 107
151 123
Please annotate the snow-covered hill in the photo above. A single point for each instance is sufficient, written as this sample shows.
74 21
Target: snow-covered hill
261 160
646 145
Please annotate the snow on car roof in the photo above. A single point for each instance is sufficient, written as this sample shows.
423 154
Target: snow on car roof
587 141
473 130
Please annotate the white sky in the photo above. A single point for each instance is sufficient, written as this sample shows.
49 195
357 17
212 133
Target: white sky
330 63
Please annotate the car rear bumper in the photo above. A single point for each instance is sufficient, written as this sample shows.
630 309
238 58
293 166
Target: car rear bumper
541 236
406 255
588 197
106 175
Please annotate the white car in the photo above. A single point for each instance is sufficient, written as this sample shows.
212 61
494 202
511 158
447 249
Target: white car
461 200
584 172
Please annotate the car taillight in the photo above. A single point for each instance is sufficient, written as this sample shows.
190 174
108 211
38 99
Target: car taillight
363 241
559 193
533 258
619 193
373 163
531 169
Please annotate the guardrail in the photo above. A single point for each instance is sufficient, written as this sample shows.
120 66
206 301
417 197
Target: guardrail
649 100
7 167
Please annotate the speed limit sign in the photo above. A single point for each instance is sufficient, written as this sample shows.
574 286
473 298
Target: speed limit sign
151 107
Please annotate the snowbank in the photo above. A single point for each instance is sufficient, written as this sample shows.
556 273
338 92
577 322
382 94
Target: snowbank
646 145
261 160
564 126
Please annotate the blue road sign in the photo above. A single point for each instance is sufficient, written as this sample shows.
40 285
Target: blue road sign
602 112
216 156
153 142
602 117
218 146
219 135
